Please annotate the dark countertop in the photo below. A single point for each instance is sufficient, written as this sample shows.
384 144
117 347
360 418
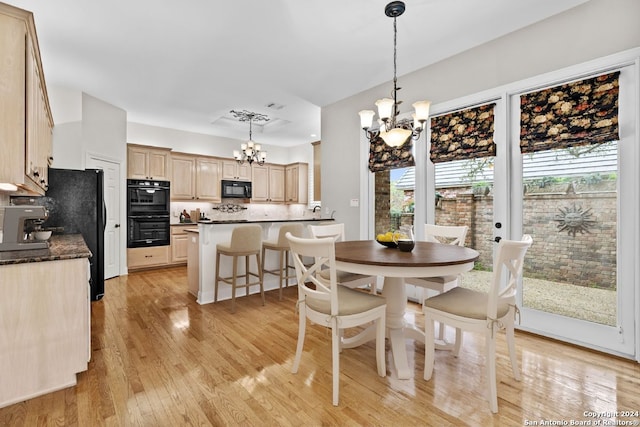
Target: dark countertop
258 221
65 246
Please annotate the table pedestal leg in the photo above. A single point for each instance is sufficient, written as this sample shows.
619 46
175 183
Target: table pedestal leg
395 293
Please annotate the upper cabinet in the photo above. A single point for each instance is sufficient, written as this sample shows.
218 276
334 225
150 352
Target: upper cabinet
268 183
144 162
297 183
208 173
27 123
183 177
195 177
231 169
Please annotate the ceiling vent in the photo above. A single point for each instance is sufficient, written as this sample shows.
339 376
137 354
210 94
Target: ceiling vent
274 106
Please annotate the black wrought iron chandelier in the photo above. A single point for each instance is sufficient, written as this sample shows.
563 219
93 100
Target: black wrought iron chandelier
394 132
250 151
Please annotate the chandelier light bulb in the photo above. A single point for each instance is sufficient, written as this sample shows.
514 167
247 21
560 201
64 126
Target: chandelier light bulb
395 137
385 108
422 110
366 118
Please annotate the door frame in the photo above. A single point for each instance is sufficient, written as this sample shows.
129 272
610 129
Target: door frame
121 250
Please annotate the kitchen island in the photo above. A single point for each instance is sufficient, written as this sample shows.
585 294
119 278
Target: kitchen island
45 326
210 233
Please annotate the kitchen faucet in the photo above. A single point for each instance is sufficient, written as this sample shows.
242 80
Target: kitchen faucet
316 207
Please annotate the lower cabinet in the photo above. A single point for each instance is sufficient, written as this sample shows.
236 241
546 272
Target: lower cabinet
162 256
45 327
179 243
154 256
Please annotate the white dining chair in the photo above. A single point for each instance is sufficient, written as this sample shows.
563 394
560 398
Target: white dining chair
482 312
327 304
350 280
448 234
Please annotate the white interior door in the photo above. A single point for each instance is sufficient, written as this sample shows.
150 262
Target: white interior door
112 201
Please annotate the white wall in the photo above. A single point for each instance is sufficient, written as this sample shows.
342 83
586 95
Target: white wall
589 31
67 149
104 129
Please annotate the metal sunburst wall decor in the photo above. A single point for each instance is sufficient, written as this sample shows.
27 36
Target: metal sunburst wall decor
574 220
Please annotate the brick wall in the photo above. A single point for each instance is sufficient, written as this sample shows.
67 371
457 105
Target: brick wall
585 259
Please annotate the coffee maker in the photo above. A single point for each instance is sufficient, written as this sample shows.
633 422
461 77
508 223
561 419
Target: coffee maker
19 222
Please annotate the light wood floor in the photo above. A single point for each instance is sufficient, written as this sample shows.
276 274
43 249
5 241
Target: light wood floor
160 359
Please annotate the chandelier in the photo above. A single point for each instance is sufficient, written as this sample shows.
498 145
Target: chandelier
394 132
250 151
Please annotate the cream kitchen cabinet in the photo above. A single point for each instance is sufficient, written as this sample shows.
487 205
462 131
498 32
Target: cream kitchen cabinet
144 162
195 177
27 124
296 183
147 257
268 183
179 242
231 169
45 327
183 176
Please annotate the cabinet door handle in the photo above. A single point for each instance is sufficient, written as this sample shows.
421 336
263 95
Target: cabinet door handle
117 226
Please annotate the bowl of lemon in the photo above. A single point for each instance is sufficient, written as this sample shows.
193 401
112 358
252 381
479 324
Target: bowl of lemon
389 238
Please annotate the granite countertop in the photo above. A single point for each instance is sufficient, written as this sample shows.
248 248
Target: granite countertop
65 246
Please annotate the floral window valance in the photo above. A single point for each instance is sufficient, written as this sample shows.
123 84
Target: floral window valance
383 157
579 113
465 134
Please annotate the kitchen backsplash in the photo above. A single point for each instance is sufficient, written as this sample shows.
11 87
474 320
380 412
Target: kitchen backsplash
234 210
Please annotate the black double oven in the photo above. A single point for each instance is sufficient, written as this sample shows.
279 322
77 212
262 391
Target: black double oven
147 213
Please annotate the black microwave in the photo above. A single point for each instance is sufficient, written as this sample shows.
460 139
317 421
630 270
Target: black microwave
236 189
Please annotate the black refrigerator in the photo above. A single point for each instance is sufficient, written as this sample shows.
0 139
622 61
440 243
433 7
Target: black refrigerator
75 201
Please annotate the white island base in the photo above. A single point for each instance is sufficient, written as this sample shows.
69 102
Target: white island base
209 235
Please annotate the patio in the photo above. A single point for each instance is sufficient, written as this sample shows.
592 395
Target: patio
592 304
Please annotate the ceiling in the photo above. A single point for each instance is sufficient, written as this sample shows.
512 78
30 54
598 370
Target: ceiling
186 64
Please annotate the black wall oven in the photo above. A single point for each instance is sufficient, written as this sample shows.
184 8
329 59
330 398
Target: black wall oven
147 213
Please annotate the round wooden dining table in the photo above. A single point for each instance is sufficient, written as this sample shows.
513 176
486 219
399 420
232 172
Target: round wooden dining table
426 260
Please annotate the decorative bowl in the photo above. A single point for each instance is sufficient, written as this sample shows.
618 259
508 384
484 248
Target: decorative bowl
388 244
42 235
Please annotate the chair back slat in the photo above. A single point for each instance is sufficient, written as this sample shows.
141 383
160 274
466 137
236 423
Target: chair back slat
323 253
451 234
507 267
327 230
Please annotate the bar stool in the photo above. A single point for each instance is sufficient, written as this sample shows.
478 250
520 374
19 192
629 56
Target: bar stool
246 240
281 245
